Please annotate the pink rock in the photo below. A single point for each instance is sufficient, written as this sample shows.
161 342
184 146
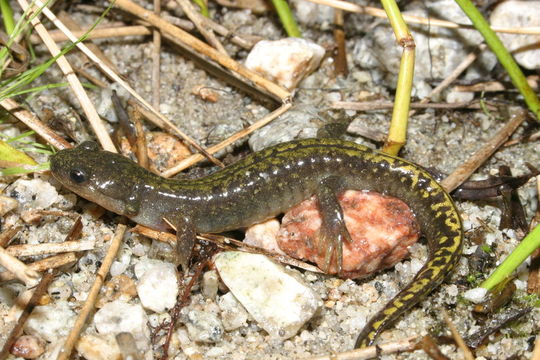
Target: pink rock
382 228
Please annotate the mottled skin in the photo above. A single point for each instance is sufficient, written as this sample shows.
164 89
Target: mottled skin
268 183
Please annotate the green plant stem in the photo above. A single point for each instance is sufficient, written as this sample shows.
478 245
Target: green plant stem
505 58
287 18
530 243
7 16
397 134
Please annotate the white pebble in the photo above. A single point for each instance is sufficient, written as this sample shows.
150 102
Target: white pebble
476 295
204 326
117 317
233 314
210 282
50 321
279 301
33 194
286 61
158 284
100 347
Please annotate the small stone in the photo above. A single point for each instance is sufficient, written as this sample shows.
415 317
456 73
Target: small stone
517 14
286 61
50 321
100 347
298 123
117 317
158 284
60 290
381 228
476 295
276 298
309 13
165 150
204 327
459 96
28 347
33 194
210 284
233 314
120 287
264 235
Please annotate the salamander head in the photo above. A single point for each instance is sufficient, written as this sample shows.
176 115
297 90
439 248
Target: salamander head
102 177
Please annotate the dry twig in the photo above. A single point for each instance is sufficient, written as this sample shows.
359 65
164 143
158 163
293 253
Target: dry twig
51 262
87 106
28 299
109 72
467 354
372 351
33 122
156 60
93 293
463 172
193 159
49 248
19 269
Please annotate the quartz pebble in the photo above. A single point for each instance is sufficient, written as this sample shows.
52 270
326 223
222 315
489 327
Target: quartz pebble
204 326
476 295
158 284
264 235
33 194
28 347
100 347
286 61
517 14
50 321
233 314
117 317
276 298
210 282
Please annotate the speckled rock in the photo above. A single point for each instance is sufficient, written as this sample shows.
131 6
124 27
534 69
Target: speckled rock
203 326
33 194
117 317
286 61
158 284
50 321
276 298
28 346
518 14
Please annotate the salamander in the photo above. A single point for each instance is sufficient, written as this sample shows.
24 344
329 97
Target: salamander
267 183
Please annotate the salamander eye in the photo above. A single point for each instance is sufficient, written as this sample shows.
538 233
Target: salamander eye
77 176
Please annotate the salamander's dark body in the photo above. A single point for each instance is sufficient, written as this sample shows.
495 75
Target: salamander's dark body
267 183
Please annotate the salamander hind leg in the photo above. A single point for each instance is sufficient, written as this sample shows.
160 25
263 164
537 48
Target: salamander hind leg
185 241
333 231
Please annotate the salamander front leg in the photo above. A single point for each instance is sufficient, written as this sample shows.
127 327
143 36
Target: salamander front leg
333 231
185 240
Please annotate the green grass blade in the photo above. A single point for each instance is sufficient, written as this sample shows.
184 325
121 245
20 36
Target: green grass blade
9 156
287 18
7 16
525 248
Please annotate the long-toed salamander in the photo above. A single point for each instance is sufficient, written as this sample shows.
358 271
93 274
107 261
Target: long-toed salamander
267 183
